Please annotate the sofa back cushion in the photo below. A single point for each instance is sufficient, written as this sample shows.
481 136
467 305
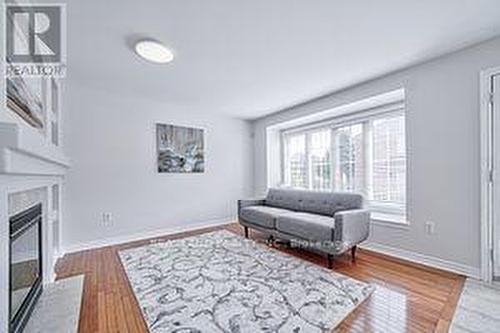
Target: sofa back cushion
283 198
324 203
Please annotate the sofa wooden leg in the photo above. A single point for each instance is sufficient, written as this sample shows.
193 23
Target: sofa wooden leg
246 232
330 261
353 253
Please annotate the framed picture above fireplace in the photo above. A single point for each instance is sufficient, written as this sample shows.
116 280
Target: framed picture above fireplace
180 149
24 97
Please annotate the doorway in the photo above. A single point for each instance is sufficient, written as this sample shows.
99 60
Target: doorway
490 172
495 106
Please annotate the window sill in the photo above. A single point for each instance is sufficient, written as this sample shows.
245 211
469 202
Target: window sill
390 220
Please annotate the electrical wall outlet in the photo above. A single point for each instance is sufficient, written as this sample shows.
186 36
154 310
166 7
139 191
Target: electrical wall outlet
430 227
107 219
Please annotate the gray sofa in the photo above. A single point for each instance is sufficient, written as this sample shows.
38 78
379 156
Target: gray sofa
328 222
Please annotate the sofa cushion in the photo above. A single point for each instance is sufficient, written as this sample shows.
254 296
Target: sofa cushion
263 216
324 203
283 198
327 203
306 226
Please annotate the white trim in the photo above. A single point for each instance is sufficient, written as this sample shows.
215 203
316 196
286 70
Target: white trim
27 142
390 220
423 259
144 235
387 208
485 165
360 116
377 100
58 255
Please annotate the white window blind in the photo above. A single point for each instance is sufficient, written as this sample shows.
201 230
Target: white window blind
389 161
364 153
320 160
296 161
349 164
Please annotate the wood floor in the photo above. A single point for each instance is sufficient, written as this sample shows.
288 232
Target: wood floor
408 297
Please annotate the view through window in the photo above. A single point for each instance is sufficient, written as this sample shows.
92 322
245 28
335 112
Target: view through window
367 156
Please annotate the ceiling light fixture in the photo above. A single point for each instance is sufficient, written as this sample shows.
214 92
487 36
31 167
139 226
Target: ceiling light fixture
153 51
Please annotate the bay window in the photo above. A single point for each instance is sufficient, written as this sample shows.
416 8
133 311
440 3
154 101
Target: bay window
364 153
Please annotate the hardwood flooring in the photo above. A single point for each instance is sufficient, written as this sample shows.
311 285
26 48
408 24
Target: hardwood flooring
408 297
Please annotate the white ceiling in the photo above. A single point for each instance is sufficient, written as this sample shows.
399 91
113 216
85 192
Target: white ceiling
251 58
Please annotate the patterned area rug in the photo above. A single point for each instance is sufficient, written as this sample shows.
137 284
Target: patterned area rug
221 282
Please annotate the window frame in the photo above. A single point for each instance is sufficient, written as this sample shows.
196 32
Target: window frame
381 211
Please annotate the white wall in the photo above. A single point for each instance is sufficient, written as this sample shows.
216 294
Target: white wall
111 142
442 98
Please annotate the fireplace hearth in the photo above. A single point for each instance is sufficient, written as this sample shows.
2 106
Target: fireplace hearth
25 271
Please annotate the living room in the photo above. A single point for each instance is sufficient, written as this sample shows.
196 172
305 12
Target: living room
257 166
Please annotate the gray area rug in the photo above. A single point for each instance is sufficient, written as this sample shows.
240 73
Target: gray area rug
478 309
221 282
58 309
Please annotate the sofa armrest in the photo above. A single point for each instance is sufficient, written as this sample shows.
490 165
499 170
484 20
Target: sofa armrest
352 226
249 202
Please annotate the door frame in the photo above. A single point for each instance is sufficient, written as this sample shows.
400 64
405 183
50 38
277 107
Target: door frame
486 130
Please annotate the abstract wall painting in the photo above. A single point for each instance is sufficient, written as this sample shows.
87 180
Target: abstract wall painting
180 149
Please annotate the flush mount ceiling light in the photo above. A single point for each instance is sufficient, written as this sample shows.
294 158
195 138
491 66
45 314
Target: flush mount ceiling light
153 51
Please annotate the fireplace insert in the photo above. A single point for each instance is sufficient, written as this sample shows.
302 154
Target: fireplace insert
25 271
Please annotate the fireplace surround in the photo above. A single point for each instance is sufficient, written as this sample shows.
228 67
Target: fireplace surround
25 265
32 171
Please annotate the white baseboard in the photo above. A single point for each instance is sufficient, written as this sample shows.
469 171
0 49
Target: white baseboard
415 257
57 255
423 259
144 235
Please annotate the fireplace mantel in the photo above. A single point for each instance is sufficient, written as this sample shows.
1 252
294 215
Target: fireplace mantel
23 150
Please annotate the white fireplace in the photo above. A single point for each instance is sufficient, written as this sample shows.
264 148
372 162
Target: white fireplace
32 169
29 175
